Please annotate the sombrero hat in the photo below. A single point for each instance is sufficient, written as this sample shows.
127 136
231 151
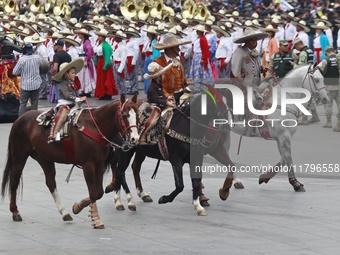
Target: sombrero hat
82 31
66 32
302 24
289 15
169 41
151 30
320 25
34 39
269 28
64 67
55 35
70 39
323 19
21 31
119 34
132 32
248 34
200 28
102 32
156 70
221 29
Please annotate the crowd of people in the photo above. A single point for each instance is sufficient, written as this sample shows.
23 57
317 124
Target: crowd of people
236 40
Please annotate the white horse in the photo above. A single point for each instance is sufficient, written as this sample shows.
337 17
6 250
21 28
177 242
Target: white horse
279 126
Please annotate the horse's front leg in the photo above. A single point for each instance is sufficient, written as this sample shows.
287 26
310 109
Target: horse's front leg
114 157
136 167
93 173
125 158
177 168
50 172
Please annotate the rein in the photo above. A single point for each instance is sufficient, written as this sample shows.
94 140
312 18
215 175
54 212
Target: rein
112 144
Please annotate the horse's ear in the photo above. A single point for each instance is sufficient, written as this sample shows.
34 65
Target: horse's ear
134 98
122 98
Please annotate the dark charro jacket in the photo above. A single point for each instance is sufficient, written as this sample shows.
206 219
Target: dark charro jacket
173 79
156 95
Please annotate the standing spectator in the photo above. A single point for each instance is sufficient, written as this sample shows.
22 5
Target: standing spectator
119 57
87 75
60 56
77 12
28 68
200 66
105 84
85 7
329 67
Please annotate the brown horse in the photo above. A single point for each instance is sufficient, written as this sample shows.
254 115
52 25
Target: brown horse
114 124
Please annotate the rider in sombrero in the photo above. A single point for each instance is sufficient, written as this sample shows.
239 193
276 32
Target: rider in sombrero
245 63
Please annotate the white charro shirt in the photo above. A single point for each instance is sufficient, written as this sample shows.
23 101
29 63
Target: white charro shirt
132 49
120 54
224 48
290 31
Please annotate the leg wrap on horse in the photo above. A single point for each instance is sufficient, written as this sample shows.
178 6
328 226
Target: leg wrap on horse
149 124
78 207
97 222
58 122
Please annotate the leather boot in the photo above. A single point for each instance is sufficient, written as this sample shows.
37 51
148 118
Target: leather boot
58 122
303 120
150 123
328 123
337 127
49 114
315 117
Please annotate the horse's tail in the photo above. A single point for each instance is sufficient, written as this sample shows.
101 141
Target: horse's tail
7 171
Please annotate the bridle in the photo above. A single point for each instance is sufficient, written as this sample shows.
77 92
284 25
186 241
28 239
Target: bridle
125 129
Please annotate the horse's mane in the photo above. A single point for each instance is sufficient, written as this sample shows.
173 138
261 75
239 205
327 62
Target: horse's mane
295 70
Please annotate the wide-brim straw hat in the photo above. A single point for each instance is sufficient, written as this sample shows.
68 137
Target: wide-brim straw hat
151 30
248 34
64 67
221 29
132 32
34 39
119 34
323 19
269 28
320 25
82 31
55 35
290 15
302 24
21 31
102 32
200 28
156 70
66 32
169 41
70 39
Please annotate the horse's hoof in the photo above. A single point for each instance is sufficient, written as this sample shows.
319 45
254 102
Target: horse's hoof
99 225
17 217
300 189
162 200
202 213
263 179
75 208
224 194
238 185
108 189
120 207
132 208
67 217
204 203
147 199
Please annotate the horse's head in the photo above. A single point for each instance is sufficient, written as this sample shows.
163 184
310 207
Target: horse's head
307 77
317 87
127 118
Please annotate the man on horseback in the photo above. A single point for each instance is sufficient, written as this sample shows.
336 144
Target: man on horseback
68 95
245 62
173 79
156 98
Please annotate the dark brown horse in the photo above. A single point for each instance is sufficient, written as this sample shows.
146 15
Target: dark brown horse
180 152
114 124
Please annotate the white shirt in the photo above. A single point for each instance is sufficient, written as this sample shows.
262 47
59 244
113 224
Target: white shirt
303 36
41 50
316 41
329 36
50 49
197 46
224 48
73 52
132 49
290 31
119 54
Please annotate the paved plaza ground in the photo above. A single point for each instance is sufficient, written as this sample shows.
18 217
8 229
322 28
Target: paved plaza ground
260 219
